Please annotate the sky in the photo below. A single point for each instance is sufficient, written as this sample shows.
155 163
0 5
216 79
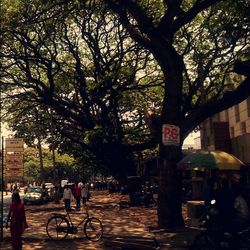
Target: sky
5 132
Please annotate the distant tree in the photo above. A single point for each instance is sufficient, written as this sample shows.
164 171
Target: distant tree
66 167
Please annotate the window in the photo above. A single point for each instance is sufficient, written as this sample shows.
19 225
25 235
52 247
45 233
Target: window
237 113
243 127
248 106
232 132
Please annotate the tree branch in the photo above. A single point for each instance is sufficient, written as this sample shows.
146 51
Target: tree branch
198 7
144 22
213 107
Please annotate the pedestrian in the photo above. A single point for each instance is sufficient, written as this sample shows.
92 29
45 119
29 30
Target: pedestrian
88 191
67 197
77 193
57 193
224 202
18 222
15 190
84 194
25 189
242 214
241 210
45 194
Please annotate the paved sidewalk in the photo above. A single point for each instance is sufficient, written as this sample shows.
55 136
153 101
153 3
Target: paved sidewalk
126 228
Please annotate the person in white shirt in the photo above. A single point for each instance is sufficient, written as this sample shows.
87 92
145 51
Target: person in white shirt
84 194
67 197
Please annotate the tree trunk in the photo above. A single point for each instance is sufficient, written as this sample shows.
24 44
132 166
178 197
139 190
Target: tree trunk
169 196
39 145
53 147
169 203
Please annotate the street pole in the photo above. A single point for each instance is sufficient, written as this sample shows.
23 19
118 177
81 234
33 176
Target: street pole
1 153
1 146
2 184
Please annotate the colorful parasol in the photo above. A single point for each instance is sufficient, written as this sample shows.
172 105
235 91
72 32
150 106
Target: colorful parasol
201 160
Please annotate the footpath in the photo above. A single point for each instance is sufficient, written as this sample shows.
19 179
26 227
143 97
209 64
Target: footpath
125 228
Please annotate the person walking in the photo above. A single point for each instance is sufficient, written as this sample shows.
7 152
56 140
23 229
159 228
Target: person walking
18 222
241 216
67 197
84 194
77 193
15 190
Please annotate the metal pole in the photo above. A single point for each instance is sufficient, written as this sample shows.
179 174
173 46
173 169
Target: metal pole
1 143
2 186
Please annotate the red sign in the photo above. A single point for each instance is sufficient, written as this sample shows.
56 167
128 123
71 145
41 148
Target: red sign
14 161
170 135
14 172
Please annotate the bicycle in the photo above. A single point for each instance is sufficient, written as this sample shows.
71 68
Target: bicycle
60 225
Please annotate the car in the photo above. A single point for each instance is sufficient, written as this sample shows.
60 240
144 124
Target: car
4 218
35 195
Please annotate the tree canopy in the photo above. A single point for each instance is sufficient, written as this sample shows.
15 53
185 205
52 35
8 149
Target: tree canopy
100 64
94 78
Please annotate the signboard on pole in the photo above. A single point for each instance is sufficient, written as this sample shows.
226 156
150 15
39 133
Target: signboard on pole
14 172
14 148
14 145
14 161
170 135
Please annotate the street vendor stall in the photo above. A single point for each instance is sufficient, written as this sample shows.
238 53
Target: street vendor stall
221 162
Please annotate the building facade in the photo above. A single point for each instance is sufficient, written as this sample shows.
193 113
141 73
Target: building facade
192 142
229 131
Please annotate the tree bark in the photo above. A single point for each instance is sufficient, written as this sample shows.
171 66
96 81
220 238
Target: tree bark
169 204
169 196
39 145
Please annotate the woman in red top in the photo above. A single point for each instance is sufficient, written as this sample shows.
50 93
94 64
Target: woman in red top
18 222
77 193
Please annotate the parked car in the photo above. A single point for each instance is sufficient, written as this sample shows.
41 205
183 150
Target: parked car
35 195
4 218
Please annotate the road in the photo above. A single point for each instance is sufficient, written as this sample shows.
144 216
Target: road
122 226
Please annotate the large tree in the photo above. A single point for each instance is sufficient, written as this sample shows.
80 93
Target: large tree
195 44
82 64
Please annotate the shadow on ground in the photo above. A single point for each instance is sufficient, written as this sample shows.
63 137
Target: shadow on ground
127 228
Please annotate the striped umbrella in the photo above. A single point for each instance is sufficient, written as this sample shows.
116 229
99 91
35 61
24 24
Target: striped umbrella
201 160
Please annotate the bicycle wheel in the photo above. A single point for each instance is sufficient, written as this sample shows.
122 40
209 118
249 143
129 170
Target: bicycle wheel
56 227
244 239
93 229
